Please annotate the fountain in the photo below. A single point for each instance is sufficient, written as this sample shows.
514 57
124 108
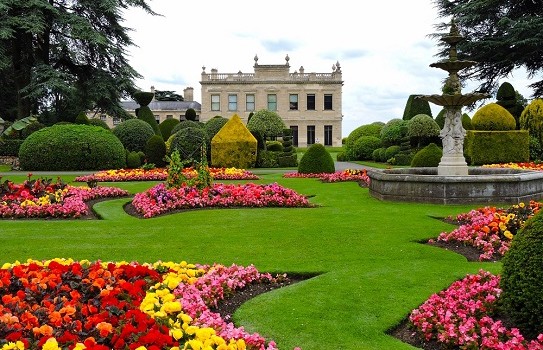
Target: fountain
453 182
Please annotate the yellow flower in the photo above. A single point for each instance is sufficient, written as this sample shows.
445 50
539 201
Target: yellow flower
79 346
508 234
51 344
521 204
176 333
19 345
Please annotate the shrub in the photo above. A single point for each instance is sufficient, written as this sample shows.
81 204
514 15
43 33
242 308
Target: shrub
99 122
522 278
10 147
190 114
363 148
189 142
143 98
82 118
508 98
268 123
234 146
393 132
422 127
429 156
416 106
72 147
134 134
375 154
267 159
466 122
535 148
373 129
383 154
274 146
31 128
213 125
490 147
531 119
186 124
391 152
440 118
289 157
493 117
133 160
145 114
401 159
155 151
316 160
166 127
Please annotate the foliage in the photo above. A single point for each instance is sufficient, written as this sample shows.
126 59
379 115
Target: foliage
213 125
316 160
493 117
18 125
10 147
531 119
429 156
133 160
289 158
81 118
234 146
373 129
155 151
536 150
133 134
188 142
490 147
510 99
190 114
466 122
167 95
415 106
274 146
72 147
143 98
166 127
391 151
422 127
522 278
440 118
177 178
99 122
38 60
186 124
267 123
393 132
145 114
363 148
500 37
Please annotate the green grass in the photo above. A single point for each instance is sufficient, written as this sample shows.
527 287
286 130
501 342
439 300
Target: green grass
5 168
372 271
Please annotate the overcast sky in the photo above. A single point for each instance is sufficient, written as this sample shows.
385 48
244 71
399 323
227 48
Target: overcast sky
382 46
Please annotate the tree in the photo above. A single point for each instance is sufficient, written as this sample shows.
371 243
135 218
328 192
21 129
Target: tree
167 96
65 56
267 123
500 37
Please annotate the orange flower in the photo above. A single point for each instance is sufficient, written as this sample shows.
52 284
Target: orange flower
105 328
43 330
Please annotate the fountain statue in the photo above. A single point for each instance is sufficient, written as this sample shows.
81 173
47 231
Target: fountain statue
452 99
452 181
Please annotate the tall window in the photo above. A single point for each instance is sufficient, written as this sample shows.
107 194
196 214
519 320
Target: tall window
116 121
250 102
293 102
272 102
294 129
327 102
310 102
232 102
157 118
310 134
328 135
215 102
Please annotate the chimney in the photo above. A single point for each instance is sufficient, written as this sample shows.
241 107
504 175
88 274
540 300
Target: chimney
153 91
188 94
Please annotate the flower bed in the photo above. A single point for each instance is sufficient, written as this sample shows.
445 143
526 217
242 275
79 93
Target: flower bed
43 198
160 174
343 175
524 166
490 229
461 317
160 199
65 304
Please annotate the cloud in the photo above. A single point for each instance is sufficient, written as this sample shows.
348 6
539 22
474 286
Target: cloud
280 45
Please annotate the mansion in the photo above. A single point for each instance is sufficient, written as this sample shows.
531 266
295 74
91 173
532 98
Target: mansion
309 103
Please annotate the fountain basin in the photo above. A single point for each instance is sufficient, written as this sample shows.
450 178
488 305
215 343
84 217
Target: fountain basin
481 185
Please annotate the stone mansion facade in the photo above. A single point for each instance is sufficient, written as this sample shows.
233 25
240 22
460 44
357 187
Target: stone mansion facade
309 103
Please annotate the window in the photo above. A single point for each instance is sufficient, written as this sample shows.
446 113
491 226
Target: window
294 129
157 118
272 102
310 134
293 102
328 135
103 117
327 102
215 102
310 102
116 121
232 102
169 116
250 102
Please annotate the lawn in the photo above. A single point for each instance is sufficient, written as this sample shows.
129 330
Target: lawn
372 270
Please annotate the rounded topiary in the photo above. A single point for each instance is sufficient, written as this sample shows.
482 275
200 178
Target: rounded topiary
536 151
506 92
316 160
429 156
440 118
99 122
274 146
268 123
531 119
166 127
393 132
415 106
363 148
391 151
72 147
133 160
190 114
466 122
522 278
373 129
134 134
143 98
383 154
186 124
145 114
82 118
493 117
155 151
375 154
421 128
189 142
213 125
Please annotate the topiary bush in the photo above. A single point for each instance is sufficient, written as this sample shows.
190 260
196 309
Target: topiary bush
99 122
274 146
133 160
522 278
234 146
31 128
393 132
72 147
363 148
373 129
508 98
187 124
268 123
391 151
213 125
536 151
466 122
143 98
134 134
531 119
155 151
189 142
166 127
415 106
316 160
145 114
429 156
493 117
421 128
190 114
82 118
440 118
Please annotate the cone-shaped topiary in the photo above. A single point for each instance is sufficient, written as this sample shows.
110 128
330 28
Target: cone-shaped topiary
531 119
522 278
316 160
493 117
415 106
82 119
429 156
155 150
145 114
166 127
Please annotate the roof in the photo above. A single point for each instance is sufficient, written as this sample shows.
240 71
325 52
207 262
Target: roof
164 105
